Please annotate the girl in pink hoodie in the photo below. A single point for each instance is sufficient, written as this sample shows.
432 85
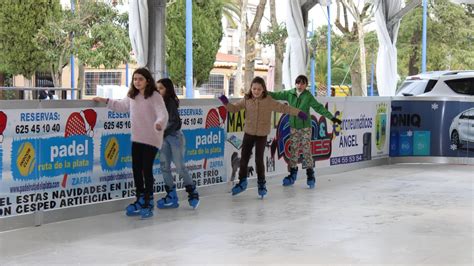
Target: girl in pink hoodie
148 117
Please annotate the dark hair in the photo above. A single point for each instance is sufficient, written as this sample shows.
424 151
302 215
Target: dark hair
150 87
170 93
301 79
260 81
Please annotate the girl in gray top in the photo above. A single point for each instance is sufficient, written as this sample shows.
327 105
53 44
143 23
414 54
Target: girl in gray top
173 150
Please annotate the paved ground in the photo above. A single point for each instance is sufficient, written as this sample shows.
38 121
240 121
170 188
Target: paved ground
395 214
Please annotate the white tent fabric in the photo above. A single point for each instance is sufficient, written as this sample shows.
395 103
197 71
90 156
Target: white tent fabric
138 30
296 56
387 54
463 1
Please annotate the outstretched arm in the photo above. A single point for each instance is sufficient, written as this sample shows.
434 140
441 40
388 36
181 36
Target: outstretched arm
120 106
320 109
232 107
283 108
279 95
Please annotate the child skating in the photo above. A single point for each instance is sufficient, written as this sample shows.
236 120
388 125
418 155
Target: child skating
300 136
172 150
148 117
258 107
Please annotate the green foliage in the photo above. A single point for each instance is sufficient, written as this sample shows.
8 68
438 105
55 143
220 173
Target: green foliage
54 39
340 56
19 23
102 36
343 54
450 36
273 35
231 12
207 35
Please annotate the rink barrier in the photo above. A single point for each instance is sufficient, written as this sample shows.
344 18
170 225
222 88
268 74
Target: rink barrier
213 139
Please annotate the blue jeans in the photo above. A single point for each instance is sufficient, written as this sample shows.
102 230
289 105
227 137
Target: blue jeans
172 150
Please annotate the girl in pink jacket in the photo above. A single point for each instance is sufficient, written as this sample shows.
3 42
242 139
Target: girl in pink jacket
148 117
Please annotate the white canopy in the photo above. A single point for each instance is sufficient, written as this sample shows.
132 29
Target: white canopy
387 55
138 30
296 56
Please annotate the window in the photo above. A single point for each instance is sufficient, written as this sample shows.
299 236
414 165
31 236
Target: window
43 79
462 86
214 86
231 86
101 78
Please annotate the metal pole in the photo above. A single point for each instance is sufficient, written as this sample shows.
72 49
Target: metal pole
372 77
312 76
313 56
126 74
423 45
329 51
72 60
189 49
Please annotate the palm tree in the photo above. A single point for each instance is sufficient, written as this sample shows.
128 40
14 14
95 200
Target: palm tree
231 12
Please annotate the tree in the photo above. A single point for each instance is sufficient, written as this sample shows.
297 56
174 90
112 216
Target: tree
250 41
55 40
362 13
95 33
103 38
19 23
243 26
231 12
276 35
207 35
343 56
340 58
450 33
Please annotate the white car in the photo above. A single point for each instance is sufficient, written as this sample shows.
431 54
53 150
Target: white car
461 130
439 83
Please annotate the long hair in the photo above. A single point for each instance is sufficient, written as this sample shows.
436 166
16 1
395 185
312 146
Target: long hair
260 81
150 87
170 93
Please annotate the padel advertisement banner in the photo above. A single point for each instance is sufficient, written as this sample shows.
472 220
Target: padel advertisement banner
54 158
432 128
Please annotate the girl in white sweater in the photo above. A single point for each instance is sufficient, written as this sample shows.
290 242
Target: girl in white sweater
148 116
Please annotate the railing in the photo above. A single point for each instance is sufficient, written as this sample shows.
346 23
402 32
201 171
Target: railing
39 93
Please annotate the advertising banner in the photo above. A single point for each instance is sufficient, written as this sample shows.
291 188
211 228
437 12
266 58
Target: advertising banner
432 128
63 157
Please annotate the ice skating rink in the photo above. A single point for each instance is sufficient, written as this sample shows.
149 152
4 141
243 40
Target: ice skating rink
402 214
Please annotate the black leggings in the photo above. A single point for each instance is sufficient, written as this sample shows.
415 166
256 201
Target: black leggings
143 157
247 145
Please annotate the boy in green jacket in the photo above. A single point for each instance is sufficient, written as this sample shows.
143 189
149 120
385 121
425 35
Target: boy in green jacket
300 135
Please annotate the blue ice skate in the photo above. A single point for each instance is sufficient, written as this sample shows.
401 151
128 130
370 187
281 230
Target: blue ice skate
147 212
193 196
134 208
170 200
239 187
262 189
291 178
311 181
